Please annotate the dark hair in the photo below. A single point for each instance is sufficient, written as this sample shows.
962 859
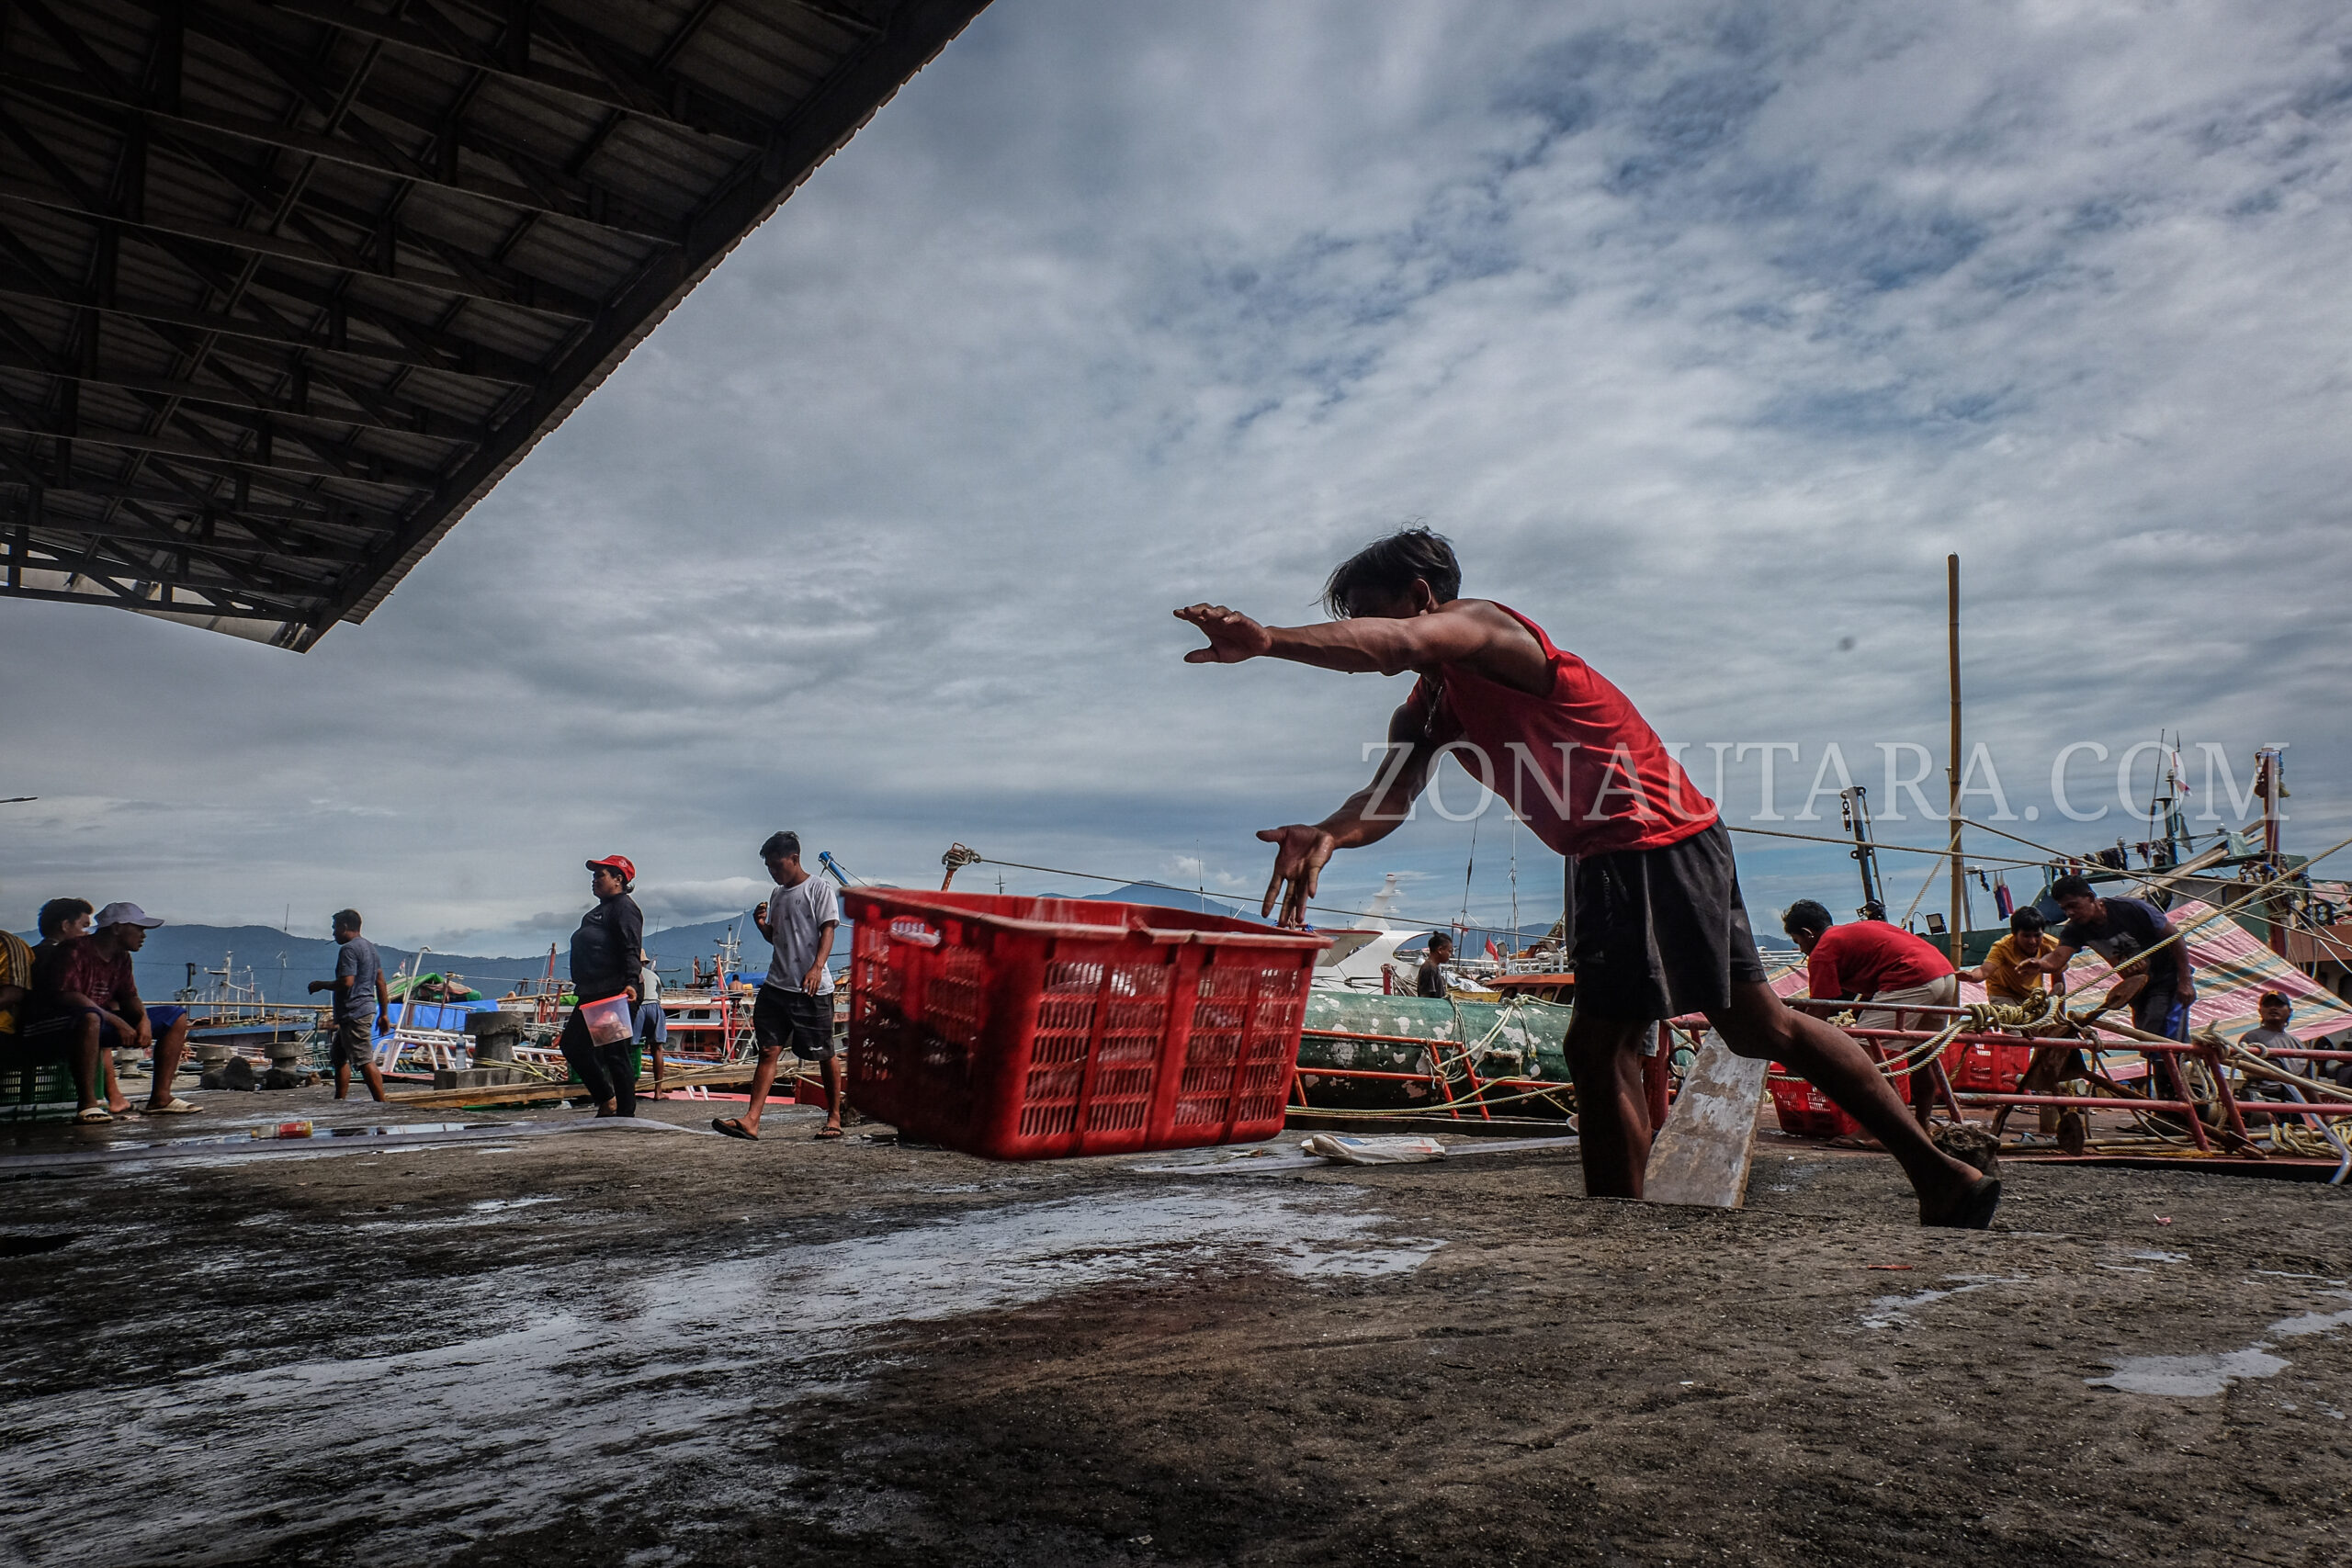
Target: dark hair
781 846
2027 921
1806 915
2072 885
57 911
1436 937
348 920
1390 568
2278 997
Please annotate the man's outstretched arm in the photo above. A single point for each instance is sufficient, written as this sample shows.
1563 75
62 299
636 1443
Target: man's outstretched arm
1468 632
1302 850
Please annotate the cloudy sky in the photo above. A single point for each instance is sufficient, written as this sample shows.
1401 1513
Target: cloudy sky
1706 331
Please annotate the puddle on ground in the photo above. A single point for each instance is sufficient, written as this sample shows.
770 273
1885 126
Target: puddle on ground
1894 1312
639 1368
2201 1377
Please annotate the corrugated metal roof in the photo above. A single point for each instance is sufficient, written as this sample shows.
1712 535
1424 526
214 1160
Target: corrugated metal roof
286 285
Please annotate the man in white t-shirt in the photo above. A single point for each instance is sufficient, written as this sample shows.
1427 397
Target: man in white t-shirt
795 1006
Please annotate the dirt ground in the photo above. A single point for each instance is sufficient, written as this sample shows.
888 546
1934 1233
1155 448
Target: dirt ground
643 1347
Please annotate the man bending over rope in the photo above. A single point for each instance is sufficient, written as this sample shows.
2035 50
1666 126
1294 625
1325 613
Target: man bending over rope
1660 929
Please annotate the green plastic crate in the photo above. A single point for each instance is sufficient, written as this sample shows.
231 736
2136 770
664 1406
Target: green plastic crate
37 1094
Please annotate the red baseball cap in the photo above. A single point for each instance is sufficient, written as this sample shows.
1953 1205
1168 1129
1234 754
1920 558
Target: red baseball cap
615 863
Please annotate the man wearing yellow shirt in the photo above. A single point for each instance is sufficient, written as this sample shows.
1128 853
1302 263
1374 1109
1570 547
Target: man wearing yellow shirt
2006 974
16 984
2010 976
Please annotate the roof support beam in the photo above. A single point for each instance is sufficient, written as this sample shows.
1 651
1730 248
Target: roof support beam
657 98
541 299
314 512
428 421
87 99
295 599
462 359
267 458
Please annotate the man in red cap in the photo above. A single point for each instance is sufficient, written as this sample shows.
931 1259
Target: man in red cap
605 963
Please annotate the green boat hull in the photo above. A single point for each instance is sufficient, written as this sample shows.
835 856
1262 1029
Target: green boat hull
1507 1040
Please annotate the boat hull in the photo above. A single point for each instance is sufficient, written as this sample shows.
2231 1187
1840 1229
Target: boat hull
1349 1033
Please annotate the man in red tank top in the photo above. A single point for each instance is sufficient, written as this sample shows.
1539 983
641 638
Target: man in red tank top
1659 927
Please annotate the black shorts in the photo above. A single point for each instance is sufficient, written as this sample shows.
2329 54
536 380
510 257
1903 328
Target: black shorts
780 1017
1662 932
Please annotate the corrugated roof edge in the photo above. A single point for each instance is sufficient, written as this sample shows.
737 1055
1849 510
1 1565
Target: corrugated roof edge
821 127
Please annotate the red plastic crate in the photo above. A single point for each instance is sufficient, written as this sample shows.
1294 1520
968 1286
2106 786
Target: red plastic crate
1035 1028
1989 1069
1805 1112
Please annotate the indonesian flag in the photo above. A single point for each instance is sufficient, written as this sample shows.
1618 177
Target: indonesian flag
1493 951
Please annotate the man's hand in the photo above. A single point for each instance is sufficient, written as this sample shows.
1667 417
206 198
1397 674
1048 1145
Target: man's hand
813 979
2187 989
1233 637
1300 855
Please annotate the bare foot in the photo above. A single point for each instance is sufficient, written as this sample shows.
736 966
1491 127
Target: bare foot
1969 1209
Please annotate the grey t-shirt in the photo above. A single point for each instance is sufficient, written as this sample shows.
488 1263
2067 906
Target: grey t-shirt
359 961
794 916
2275 1044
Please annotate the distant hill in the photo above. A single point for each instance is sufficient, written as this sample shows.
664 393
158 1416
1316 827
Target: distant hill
1168 898
162 963
282 964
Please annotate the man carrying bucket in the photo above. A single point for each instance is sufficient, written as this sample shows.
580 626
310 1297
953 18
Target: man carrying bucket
1661 928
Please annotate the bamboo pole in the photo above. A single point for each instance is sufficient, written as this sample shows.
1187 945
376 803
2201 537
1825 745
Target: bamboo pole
1959 870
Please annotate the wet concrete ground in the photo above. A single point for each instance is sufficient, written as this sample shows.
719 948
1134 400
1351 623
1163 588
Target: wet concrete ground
656 1346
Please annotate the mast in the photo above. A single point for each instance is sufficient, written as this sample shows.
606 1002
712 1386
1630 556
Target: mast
1959 873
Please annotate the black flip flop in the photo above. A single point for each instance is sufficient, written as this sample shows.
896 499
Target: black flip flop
1976 1211
732 1128
829 1131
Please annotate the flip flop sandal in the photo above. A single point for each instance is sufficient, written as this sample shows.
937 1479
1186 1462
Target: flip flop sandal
94 1116
829 1131
177 1108
732 1128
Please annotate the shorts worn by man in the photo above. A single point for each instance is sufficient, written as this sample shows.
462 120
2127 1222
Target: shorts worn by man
1661 928
795 1006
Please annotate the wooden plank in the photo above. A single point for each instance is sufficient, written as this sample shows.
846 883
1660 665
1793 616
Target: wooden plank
1700 1156
545 1093
1466 1126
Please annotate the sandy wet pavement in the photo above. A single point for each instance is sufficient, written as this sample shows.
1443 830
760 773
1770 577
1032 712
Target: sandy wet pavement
662 1346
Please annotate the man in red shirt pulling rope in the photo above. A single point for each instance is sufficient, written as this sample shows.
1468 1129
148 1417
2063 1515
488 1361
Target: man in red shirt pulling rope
1660 928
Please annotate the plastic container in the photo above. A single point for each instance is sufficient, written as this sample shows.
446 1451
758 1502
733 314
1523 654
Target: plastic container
1989 1069
1805 1112
609 1021
1022 1028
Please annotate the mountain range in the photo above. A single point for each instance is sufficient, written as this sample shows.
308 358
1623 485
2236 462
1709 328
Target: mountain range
179 957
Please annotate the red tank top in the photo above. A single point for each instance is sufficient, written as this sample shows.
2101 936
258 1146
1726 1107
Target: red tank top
1579 765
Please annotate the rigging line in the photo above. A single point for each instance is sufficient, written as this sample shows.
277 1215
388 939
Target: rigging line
1944 854
1136 881
1953 852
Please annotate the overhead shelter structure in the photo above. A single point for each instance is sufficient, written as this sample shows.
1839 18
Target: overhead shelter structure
286 286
